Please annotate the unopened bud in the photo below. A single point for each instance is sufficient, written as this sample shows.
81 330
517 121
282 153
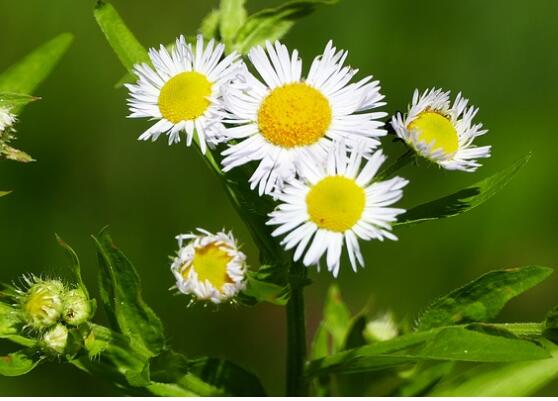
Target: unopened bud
381 329
77 308
55 339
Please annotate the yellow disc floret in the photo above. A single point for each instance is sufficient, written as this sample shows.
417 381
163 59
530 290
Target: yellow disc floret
336 203
433 127
210 263
294 115
184 97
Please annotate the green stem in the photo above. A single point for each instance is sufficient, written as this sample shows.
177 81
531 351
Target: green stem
392 168
297 384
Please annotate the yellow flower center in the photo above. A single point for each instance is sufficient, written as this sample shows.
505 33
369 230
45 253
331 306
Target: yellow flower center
294 115
184 97
210 263
335 203
435 128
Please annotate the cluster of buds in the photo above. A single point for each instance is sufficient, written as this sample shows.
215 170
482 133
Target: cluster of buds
50 309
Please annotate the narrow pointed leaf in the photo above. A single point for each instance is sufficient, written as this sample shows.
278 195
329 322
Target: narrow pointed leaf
518 379
10 100
273 23
128 49
337 317
455 343
482 299
464 200
4 193
74 264
25 76
122 295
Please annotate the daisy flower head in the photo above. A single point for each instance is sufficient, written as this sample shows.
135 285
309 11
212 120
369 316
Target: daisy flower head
7 119
209 267
282 119
442 132
335 204
182 90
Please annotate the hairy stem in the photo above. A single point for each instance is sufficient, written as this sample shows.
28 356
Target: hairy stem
296 334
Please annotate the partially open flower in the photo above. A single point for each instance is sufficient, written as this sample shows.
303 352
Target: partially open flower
42 303
7 119
442 132
210 267
56 339
77 307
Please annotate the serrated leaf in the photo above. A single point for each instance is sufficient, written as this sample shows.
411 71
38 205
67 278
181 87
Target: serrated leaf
122 295
464 200
518 379
482 299
209 27
18 363
128 49
232 16
455 343
24 76
74 264
273 23
225 375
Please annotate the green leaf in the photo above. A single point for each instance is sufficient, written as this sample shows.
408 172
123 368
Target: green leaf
24 77
169 390
4 193
209 27
9 320
121 294
260 290
10 100
223 374
273 23
455 343
75 265
482 299
320 346
232 16
337 318
426 376
128 49
464 200
518 379
17 363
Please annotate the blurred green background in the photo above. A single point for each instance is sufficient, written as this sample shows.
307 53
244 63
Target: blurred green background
91 170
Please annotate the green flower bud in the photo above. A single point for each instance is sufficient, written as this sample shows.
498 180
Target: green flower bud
42 304
55 339
77 307
381 329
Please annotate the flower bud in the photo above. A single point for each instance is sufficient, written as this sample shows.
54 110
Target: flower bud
42 303
77 307
56 339
210 267
382 328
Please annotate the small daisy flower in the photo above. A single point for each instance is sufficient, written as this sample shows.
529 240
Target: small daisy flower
7 119
284 119
335 205
442 132
182 90
210 267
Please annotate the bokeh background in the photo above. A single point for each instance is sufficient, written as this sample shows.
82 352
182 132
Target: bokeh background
91 170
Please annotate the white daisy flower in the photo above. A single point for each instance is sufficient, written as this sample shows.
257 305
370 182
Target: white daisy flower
336 204
209 267
442 132
284 119
7 119
182 90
